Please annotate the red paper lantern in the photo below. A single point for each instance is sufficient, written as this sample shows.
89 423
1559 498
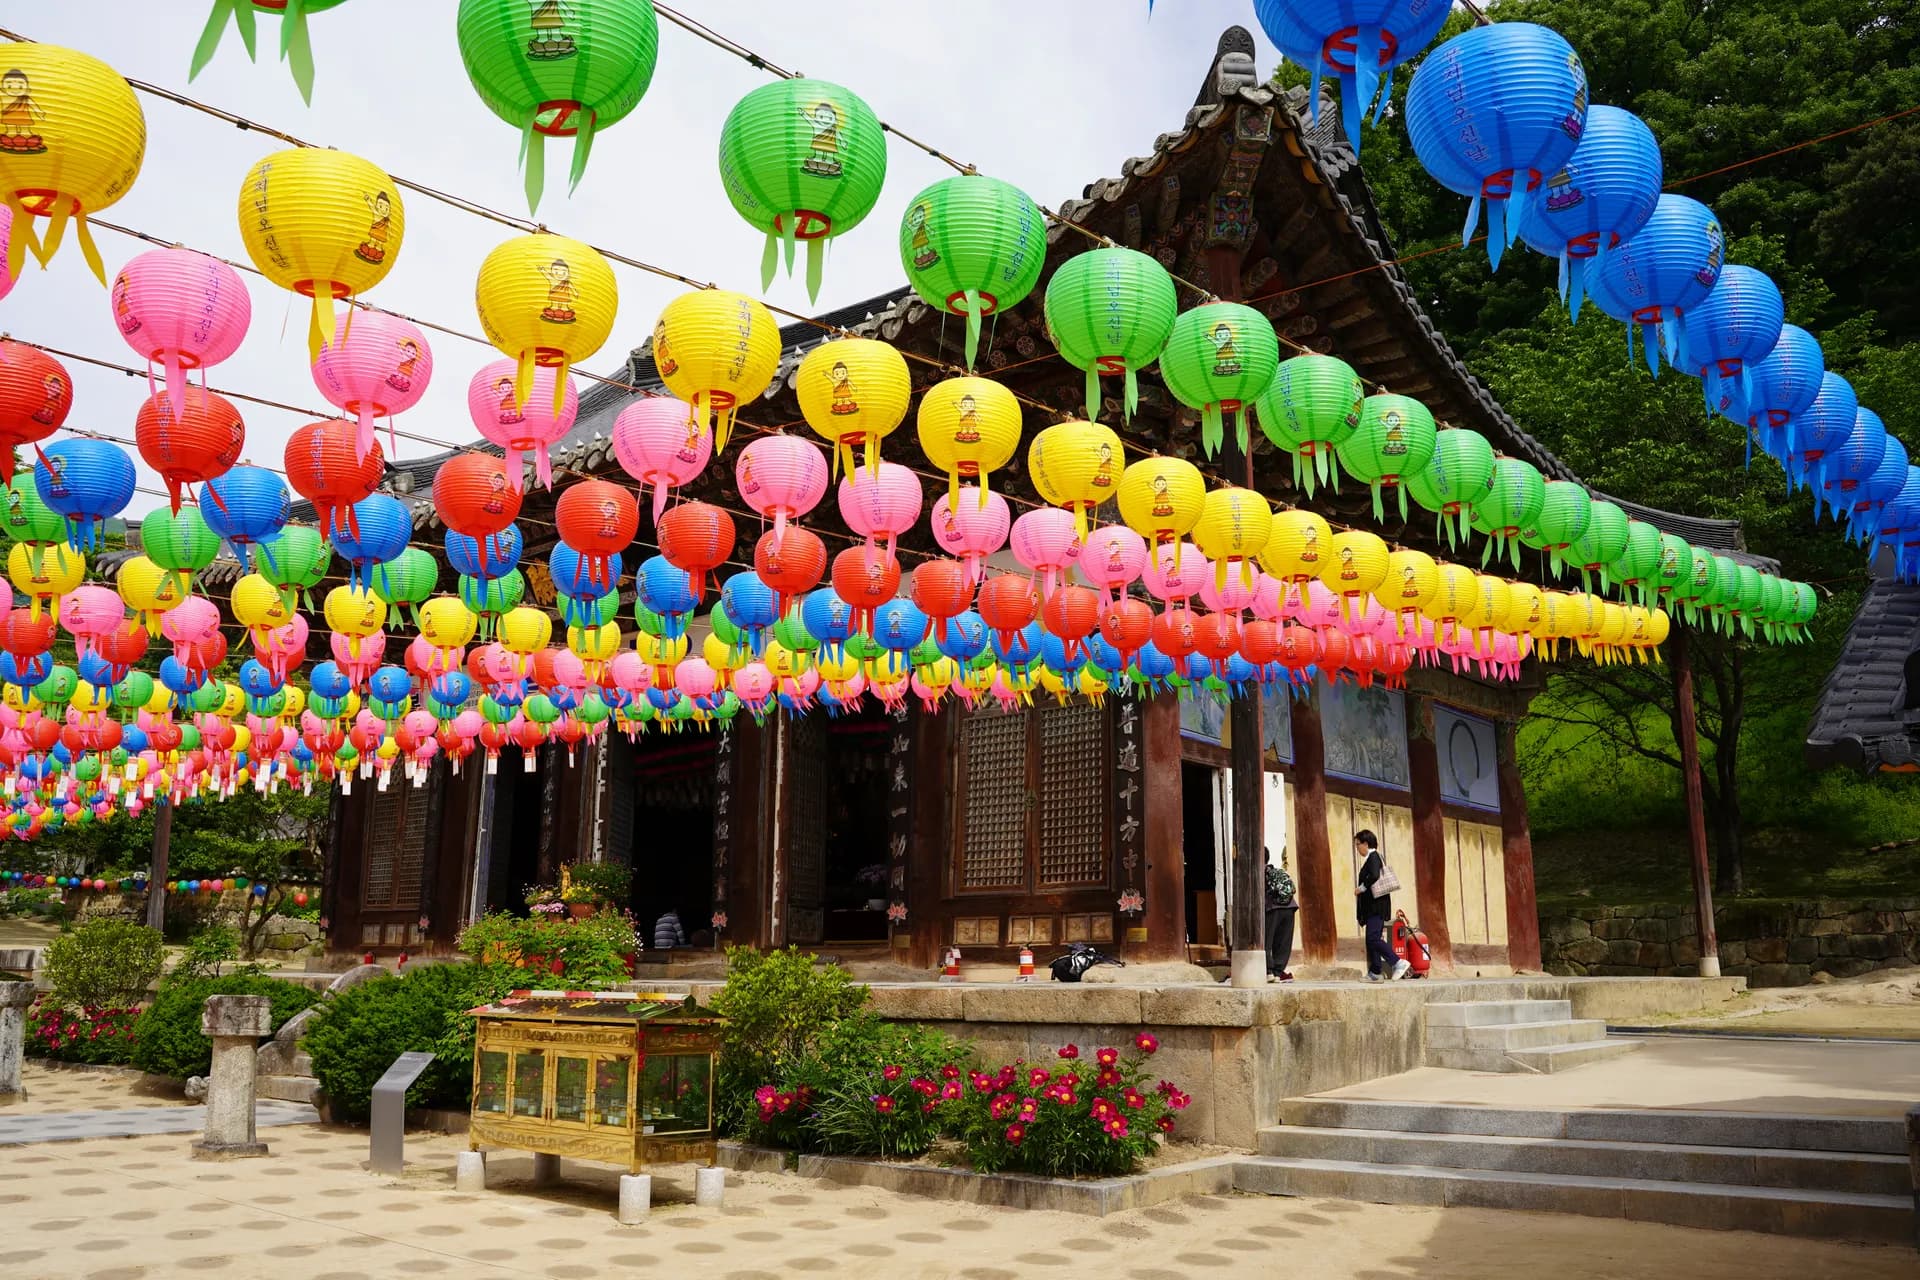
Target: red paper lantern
1334 649
1217 636
598 519
36 393
865 579
1300 647
123 647
1127 625
190 445
26 636
1176 632
1260 642
325 466
796 567
473 497
1072 613
696 538
1008 602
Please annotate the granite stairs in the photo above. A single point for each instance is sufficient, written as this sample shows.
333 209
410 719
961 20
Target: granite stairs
1802 1175
1539 1036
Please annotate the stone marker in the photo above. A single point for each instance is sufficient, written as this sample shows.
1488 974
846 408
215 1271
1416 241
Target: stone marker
546 1169
709 1186
470 1171
636 1197
387 1128
234 1024
14 999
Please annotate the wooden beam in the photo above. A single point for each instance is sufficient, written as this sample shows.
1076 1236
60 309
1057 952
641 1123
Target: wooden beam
1319 896
1516 846
1681 657
1429 830
1166 879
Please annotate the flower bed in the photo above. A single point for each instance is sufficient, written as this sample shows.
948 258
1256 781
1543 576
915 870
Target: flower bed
91 1035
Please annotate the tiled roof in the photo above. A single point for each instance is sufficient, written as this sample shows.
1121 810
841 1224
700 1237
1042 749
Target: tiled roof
1862 720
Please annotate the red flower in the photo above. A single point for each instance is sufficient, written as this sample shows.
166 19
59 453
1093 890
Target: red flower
1179 1101
883 1104
1106 1077
1069 1078
1006 1078
1165 1089
1029 1108
928 1107
1165 1124
1135 1099
1002 1106
1069 1051
1106 1057
1065 1097
1015 1132
1101 1109
950 1090
1117 1127
1038 1077
982 1082
1145 1042
924 1087
949 1072
890 1073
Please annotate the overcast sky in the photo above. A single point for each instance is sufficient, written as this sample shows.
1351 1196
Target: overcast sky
1047 94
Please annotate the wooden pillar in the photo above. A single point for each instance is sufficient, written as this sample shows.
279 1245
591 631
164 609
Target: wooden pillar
1516 848
930 843
1429 830
1166 878
157 874
1319 896
1689 737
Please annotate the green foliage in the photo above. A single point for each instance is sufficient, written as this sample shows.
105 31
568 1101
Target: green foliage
778 1004
360 1031
586 953
90 1035
104 963
168 1040
601 883
35 904
262 837
209 948
830 1100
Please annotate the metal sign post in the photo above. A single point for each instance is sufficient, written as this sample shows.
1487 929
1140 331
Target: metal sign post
386 1147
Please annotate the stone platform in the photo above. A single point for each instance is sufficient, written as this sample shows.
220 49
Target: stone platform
1241 1051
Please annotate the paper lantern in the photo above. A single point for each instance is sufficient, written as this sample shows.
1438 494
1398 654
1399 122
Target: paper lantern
1602 543
716 351
182 309
1233 529
1076 465
7 278
782 477
1045 541
325 466
1355 567
1394 442
1736 326
865 578
71 144
558 70
968 427
518 428
1408 585
881 502
1297 545
1112 558
1456 477
36 393
296 46
599 520
697 538
176 541
794 567
546 301
377 531
1564 512
1219 359
660 442
87 482
1492 113
1838 476
1599 199
188 447
1309 409
1512 503
44 574
376 366
972 525
472 496
1110 313
1781 384
973 246
295 559
802 160
1161 498
1815 431
1358 42
853 391
1668 268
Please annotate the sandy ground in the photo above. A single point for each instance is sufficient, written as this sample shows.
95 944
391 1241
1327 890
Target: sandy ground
1705 1073
127 1209
1872 1005
61 1089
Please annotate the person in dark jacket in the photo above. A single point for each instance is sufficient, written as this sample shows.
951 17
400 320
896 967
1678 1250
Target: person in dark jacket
1282 908
1375 912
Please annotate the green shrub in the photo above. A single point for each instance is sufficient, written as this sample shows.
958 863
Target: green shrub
601 883
206 951
104 964
39 904
778 1006
168 1040
583 953
360 1031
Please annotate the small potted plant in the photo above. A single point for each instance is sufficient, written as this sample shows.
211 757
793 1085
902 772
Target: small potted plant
589 887
544 900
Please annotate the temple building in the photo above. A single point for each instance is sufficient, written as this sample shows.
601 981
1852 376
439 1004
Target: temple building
897 835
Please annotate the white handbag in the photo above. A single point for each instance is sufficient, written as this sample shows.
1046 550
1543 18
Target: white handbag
1387 883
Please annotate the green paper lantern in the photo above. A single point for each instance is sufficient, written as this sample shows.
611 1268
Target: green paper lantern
1722 597
1601 544
296 46
177 541
1773 606
1676 567
861 647
1511 503
409 578
648 621
208 697
802 160
29 519
725 630
132 693
491 597
1219 359
791 633
1565 509
57 689
973 246
494 713
726 708
1110 313
1456 479
295 560
539 708
1694 583
592 709
925 654
1394 441
271 705
1638 563
1310 409
582 612
1748 597
558 69
1802 604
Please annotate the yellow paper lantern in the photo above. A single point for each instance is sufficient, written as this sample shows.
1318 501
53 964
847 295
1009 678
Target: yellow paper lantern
321 223
447 623
232 700
1076 465
837 666
1411 581
885 667
1093 684
45 573
1454 599
355 613
1234 527
1356 565
19 698
87 697
1297 546
257 604
969 427
548 302
150 590
525 630
1161 498
295 704
161 701
853 391
594 646
72 137
1491 601
662 653
716 351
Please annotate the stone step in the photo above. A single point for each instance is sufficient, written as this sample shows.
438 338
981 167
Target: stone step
1503 1037
288 1088
1480 1013
1554 1058
1658 1162
1881 1135
302 1064
1715 1206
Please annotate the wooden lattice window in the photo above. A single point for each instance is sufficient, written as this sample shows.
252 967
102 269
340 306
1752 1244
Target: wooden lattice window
396 848
1074 791
994 855
1034 800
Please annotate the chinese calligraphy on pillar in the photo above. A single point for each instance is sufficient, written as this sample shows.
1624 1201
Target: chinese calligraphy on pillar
1128 804
722 826
899 814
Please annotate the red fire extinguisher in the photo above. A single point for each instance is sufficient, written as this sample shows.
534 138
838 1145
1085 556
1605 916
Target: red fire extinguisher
1410 944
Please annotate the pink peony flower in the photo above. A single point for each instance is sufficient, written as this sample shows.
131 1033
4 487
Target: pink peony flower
1134 1099
950 1090
1165 1124
1179 1101
949 1072
1038 1077
924 1087
1029 1108
1001 1107
890 1073
1145 1042
883 1104
1015 1132
1106 1077
1068 1051
1106 1057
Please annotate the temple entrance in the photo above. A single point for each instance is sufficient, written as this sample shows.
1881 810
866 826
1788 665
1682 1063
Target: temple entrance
513 865
1206 833
837 810
661 824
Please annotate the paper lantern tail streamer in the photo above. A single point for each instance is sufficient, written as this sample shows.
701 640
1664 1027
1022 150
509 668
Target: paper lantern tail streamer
296 46
242 14
533 162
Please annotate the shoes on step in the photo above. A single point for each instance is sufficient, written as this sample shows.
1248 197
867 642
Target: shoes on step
1374 977
1402 969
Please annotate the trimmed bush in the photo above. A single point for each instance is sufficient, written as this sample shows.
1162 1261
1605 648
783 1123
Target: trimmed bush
104 964
167 1039
360 1031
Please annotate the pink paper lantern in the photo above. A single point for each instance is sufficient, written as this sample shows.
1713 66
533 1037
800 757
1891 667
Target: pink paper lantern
630 672
377 365
1174 572
880 502
7 278
1047 542
182 309
358 656
782 477
283 648
659 442
529 428
1112 558
569 672
753 685
971 529
195 620
90 611
1234 595
801 688
1269 603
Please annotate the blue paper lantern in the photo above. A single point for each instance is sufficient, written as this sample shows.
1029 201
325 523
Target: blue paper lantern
1734 328
1777 388
1054 656
1820 428
376 531
246 506
1870 503
328 681
573 575
391 684
452 688
133 739
178 679
899 625
1358 42
1492 113
964 637
751 605
1838 476
667 590
1018 648
87 481
827 618
1667 269
1603 195
500 553
256 681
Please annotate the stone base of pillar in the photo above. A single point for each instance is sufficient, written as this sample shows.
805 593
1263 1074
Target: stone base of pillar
1709 966
546 1169
636 1198
470 1171
1247 968
709 1186
204 1150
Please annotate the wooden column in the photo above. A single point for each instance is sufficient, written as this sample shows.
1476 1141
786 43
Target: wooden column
1166 878
157 874
1516 848
930 843
1319 896
1429 830
1689 737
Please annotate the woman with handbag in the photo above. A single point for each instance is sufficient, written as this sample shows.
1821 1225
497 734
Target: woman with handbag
1373 903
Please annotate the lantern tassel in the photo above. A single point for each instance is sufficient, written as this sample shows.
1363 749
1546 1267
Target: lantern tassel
1093 393
533 163
363 441
1212 429
971 302
523 379
1359 88
23 237
543 467
1131 394
210 35
582 152
296 47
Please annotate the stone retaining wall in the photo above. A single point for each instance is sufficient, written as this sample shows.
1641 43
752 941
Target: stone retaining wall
1769 943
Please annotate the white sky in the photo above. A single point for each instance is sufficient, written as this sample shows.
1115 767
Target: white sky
1047 94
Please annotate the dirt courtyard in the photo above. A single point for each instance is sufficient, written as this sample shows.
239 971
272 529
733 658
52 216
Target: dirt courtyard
133 1208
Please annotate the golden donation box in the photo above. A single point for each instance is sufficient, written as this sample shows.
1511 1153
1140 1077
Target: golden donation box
613 1076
